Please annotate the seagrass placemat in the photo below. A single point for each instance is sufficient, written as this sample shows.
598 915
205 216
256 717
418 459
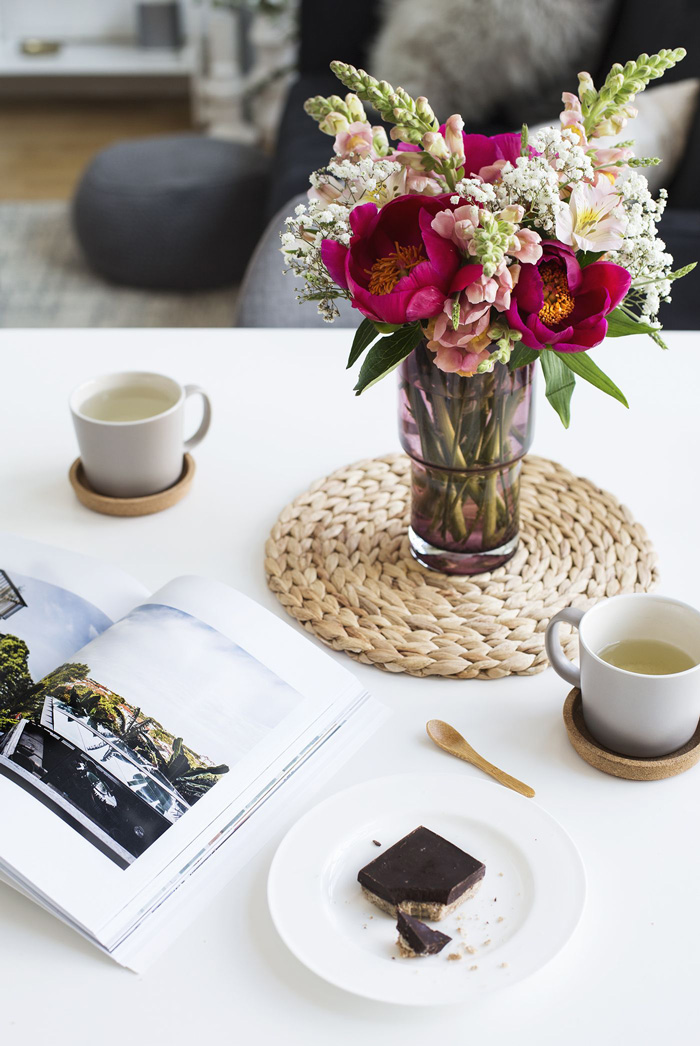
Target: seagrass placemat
338 560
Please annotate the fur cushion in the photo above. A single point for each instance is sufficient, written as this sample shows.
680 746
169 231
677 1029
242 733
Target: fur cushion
489 59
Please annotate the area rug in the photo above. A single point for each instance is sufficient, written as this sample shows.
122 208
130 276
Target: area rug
44 281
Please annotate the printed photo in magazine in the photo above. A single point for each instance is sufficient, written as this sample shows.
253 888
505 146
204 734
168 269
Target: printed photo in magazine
115 757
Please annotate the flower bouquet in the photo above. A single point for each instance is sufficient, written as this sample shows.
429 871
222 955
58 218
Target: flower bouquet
472 259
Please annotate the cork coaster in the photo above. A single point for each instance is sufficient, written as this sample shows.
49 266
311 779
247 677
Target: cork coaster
143 506
338 560
626 766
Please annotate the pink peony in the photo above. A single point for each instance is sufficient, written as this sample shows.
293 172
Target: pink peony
397 268
557 304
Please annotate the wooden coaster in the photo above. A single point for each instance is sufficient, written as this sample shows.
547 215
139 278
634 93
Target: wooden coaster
626 766
338 560
142 506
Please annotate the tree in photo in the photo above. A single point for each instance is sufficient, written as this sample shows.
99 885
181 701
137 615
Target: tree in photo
18 692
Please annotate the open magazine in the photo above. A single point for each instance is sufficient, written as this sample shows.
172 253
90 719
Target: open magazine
150 743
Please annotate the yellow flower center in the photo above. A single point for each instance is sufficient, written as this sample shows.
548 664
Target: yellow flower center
587 219
558 301
387 271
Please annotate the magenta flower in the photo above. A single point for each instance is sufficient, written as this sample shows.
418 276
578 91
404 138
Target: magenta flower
558 304
397 268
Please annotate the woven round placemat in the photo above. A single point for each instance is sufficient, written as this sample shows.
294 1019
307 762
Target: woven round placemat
338 560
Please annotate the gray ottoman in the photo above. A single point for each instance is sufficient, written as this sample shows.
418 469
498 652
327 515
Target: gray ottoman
179 213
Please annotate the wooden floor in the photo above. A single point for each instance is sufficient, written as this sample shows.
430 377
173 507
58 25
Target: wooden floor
45 145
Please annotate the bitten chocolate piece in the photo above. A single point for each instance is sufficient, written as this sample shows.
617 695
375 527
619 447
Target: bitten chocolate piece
424 873
415 938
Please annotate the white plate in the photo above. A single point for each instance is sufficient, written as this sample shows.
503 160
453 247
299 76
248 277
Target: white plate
527 908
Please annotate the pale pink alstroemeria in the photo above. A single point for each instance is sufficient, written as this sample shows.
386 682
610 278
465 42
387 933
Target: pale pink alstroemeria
355 141
589 222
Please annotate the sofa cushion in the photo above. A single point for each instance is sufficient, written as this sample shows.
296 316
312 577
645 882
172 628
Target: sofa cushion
680 231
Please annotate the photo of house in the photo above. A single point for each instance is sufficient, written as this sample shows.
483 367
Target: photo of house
10 597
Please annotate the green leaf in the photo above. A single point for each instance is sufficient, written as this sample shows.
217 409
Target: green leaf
521 356
584 366
620 324
560 384
364 336
386 354
588 257
387 328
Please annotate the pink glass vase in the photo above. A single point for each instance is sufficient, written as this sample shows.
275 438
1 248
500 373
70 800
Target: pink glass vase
466 438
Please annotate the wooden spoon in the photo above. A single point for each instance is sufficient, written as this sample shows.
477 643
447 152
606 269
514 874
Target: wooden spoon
450 740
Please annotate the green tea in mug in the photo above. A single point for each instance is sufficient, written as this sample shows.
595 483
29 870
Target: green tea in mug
647 657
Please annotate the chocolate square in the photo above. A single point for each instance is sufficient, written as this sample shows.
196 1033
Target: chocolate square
423 872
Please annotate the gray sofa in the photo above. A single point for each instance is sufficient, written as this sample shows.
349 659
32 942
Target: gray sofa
267 295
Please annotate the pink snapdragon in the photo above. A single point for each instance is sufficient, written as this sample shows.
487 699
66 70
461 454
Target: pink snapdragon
572 117
606 161
356 140
459 227
615 123
454 138
461 351
526 246
494 290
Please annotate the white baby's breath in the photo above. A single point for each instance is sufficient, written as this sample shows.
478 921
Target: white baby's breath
643 252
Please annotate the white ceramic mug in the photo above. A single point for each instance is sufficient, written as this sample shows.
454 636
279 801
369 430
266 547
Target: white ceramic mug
132 458
634 714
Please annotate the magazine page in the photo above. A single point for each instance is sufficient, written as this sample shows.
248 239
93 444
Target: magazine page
151 738
56 601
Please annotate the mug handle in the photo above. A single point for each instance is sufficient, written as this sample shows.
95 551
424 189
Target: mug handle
191 390
560 662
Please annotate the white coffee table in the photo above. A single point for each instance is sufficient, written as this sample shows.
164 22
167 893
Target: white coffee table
284 414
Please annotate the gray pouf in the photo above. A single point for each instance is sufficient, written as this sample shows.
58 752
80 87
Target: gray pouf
173 213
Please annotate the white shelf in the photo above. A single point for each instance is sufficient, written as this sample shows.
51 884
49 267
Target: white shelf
97 59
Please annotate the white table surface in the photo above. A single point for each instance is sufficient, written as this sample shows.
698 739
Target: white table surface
284 414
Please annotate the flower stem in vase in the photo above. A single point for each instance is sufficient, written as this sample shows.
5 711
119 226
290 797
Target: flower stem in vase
465 437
